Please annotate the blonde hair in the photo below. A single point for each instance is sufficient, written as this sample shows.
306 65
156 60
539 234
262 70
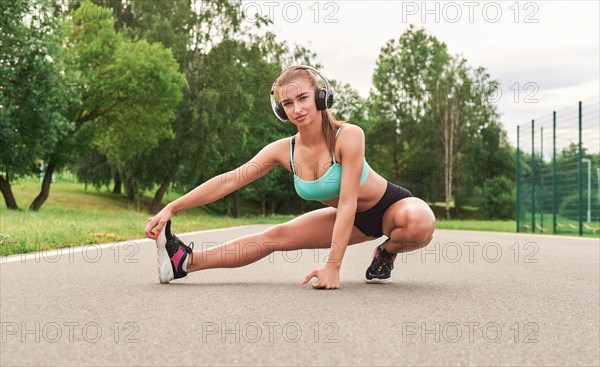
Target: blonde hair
330 123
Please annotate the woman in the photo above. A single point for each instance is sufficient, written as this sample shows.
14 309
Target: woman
361 205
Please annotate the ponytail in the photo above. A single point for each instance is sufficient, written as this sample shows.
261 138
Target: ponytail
330 126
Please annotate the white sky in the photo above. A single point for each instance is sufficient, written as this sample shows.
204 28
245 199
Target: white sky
552 44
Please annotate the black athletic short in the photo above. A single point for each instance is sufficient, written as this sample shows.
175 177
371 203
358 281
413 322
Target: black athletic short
371 221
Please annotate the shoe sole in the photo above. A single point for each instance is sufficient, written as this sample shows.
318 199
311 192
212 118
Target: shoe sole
377 280
165 270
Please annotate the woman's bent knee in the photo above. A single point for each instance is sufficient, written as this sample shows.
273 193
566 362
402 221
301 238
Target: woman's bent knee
421 225
273 232
278 238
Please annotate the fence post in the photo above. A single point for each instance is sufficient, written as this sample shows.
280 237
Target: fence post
554 172
580 177
541 173
518 183
532 177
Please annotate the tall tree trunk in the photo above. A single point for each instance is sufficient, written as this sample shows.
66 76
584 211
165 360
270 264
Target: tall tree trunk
446 162
453 144
395 149
43 195
451 152
451 127
156 204
235 208
9 197
458 202
118 183
263 206
130 189
273 206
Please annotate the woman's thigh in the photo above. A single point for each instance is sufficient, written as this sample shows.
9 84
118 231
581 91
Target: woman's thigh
311 230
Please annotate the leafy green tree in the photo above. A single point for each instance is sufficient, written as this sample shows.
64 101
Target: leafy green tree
89 164
498 199
225 117
202 128
34 88
400 123
484 152
448 107
348 105
429 117
128 91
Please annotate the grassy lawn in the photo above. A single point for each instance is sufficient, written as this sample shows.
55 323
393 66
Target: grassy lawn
74 216
564 225
477 225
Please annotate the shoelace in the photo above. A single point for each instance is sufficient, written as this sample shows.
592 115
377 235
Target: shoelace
189 249
385 260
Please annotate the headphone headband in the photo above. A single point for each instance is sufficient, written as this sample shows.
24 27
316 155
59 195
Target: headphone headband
323 97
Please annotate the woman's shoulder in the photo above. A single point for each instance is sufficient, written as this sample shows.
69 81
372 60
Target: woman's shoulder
351 137
279 149
350 129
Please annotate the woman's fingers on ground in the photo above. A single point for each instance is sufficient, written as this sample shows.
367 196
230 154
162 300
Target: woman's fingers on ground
310 275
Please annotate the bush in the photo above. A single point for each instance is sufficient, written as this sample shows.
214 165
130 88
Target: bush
569 207
497 199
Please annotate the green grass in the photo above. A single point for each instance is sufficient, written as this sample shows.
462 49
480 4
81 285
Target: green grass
74 216
565 226
477 225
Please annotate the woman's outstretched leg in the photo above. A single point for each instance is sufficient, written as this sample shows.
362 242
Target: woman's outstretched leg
308 231
235 253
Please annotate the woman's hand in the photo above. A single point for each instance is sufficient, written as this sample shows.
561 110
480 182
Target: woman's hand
158 221
328 277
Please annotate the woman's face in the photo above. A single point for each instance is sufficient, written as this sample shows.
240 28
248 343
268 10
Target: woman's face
298 101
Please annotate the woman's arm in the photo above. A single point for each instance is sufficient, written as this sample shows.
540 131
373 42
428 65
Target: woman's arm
353 155
220 186
352 152
210 191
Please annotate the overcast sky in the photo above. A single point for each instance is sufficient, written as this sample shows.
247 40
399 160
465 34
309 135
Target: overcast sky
553 45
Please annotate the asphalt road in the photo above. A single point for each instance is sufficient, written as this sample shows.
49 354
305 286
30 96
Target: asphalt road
469 298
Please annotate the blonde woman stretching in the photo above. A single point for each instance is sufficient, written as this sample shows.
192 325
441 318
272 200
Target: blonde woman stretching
326 158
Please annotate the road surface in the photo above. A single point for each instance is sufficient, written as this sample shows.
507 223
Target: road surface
468 298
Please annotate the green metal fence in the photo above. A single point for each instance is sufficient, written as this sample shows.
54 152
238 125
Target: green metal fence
558 171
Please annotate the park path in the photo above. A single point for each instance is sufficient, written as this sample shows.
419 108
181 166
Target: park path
469 298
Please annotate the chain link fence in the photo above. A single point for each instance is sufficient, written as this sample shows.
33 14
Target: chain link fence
558 171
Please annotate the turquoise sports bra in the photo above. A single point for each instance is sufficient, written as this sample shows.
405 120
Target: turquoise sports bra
327 187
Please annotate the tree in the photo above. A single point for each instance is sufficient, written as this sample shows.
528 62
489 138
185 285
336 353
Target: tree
448 102
128 92
429 114
400 123
485 151
348 104
34 87
201 139
498 199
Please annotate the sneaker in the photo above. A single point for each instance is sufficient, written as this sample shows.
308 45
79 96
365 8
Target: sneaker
380 270
172 253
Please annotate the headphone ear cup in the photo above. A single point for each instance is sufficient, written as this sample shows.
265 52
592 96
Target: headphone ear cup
281 112
329 100
321 99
